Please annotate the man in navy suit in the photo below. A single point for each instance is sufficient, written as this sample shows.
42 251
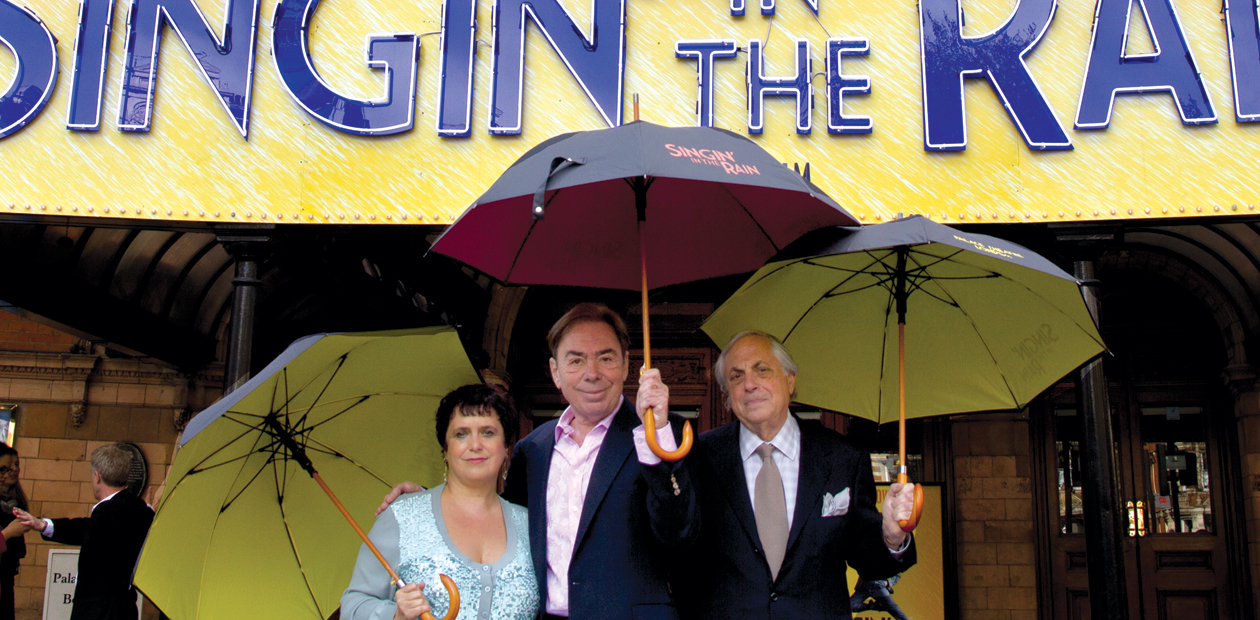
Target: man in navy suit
111 539
781 551
604 525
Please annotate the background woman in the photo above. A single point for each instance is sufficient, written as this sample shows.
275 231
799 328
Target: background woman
461 529
13 545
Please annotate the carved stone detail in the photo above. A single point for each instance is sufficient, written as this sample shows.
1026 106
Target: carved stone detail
677 370
182 416
78 414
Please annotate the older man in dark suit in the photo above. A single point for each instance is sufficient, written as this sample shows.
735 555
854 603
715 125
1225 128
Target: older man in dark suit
111 539
784 505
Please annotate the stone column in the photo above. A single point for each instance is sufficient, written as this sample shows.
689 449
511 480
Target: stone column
1241 379
1104 515
248 247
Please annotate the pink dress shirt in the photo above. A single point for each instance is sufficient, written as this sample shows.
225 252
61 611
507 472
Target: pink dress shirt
567 481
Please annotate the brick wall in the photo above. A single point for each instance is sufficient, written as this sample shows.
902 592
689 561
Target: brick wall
19 334
993 484
70 403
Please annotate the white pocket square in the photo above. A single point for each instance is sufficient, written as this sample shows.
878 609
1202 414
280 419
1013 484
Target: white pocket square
835 505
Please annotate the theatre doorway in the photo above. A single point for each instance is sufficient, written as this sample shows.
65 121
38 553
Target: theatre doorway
1173 430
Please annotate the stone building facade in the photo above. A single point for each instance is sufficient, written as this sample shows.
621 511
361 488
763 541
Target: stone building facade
70 397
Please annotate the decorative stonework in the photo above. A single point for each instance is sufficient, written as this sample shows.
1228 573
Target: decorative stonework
182 416
677 369
1240 378
78 414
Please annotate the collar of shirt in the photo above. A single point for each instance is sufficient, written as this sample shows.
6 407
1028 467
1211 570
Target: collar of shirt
787 441
107 498
564 427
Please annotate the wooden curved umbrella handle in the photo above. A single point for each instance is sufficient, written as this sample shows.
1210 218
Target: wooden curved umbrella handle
649 426
916 513
453 592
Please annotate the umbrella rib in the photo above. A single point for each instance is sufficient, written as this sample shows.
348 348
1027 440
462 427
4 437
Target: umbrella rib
197 470
341 362
330 450
225 446
361 399
244 413
326 403
1056 308
883 351
244 488
825 296
521 248
750 217
289 535
987 349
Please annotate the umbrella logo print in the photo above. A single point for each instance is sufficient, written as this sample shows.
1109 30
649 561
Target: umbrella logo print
1033 348
723 159
988 249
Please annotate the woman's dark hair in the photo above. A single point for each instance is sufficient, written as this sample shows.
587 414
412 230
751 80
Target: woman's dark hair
481 400
19 495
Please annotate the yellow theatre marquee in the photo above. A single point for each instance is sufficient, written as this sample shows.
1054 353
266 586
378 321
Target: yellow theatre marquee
404 111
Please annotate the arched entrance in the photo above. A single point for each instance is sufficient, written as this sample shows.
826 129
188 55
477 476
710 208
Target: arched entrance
1173 426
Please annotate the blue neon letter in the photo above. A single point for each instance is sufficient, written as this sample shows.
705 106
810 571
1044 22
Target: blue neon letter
798 86
597 60
36 52
1170 69
91 50
704 51
1244 58
228 67
949 57
839 85
767 7
458 57
397 54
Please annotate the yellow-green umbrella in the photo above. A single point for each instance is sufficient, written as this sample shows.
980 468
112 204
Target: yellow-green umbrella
914 319
242 529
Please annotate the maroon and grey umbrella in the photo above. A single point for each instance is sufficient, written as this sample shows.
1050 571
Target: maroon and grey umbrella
606 208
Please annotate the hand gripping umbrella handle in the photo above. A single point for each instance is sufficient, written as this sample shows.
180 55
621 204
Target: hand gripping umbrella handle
916 513
447 582
451 611
649 427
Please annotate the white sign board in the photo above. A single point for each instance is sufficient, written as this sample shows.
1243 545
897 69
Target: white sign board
63 573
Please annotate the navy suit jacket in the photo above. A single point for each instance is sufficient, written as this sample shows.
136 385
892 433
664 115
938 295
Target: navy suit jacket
631 527
111 540
727 576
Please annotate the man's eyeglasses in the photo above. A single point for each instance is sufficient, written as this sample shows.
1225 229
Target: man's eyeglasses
4 471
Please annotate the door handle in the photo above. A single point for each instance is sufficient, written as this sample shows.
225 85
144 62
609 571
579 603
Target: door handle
1141 519
1132 519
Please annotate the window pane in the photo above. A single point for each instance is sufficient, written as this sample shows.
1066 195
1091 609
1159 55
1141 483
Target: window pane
1174 443
1068 449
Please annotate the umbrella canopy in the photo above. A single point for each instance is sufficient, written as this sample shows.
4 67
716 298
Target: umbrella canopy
988 324
242 528
714 203
679 203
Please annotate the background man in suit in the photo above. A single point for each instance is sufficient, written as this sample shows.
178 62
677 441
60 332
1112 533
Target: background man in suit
602 524
111 539
785 505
